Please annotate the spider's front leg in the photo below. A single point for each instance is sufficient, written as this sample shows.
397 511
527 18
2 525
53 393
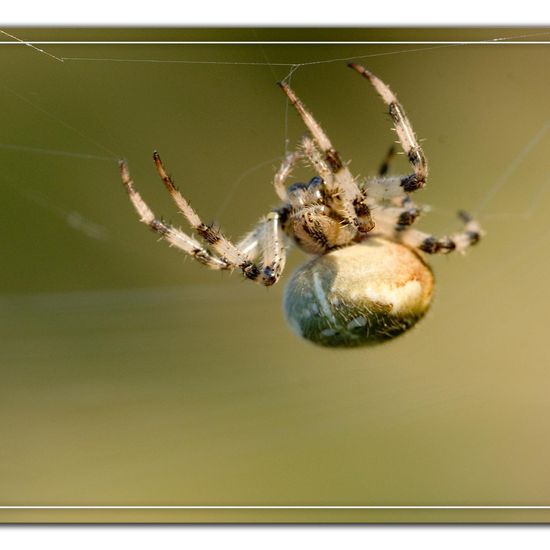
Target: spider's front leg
404 130
341 186
174 237
268 235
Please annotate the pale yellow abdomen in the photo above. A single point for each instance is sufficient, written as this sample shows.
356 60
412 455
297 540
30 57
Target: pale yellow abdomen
361 294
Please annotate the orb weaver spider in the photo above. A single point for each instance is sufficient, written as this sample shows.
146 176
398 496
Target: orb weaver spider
367 281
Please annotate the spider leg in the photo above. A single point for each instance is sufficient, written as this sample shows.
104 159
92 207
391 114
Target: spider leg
212 235
268 233
274 249
470 235
394 220
172 235
361 203
341 187
249 244
385 165
385 187
404 130
283 173
272 239
313 155
266 240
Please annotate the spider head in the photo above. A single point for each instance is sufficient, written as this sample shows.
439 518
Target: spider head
304 194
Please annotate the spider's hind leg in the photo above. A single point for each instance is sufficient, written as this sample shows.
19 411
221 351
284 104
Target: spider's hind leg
459 242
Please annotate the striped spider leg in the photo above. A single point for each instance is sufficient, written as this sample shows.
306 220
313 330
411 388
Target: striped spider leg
395 221
266 239
175 237
343 193
404 130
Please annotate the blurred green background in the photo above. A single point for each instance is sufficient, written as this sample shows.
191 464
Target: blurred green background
132 376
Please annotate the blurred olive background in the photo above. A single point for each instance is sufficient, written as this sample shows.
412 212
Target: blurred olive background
132 376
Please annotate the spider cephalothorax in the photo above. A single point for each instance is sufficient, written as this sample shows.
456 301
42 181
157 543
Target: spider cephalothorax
367 281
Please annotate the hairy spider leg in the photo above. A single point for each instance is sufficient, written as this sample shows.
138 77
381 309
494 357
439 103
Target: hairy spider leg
459 242
283 173
342 188
404 130
313 155
384 167
175 237
273 250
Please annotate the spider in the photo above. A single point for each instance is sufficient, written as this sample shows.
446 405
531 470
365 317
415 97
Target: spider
368 280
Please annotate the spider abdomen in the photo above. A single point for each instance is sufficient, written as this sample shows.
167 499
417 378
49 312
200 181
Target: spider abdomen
361 294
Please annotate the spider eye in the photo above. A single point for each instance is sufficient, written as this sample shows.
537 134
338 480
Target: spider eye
301 194
311 185
297 187
317 181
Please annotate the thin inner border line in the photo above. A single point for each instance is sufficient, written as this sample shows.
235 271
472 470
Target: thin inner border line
283 507
269 42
